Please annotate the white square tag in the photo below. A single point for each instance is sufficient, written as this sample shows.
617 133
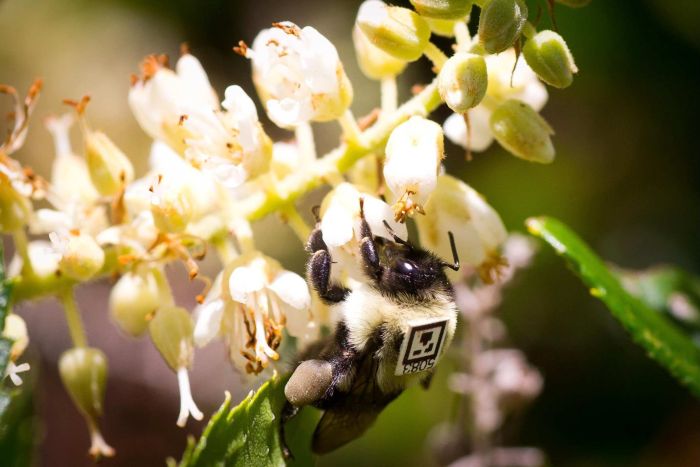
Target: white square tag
421 347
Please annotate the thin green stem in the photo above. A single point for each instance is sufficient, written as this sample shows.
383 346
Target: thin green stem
390 95
435 55
291 216
75 323
351 131
22 246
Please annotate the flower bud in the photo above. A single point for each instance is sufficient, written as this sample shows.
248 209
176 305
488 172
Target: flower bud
397 31
500 24
171 205
441 27
413 155
81 256
16 330
549 57
135 296
109 168
373 61
83 371
15 209
522 131
442 9
462 81
171 331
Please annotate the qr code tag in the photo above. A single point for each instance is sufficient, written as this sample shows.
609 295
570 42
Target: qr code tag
422 344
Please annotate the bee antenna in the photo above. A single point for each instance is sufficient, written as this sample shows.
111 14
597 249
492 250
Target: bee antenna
316 210
397 239
454 266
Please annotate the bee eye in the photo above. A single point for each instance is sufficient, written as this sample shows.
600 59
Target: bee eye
405 267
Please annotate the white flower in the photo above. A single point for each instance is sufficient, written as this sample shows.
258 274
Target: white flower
43 257
81 256
413 155
340 227
181 108
249 304
525 87
477 228
163 96
298 75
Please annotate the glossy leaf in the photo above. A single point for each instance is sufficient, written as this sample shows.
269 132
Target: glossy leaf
247 434
663 341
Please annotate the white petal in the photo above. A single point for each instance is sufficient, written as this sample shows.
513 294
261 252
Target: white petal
196 81
481 137
376 212
292 289
337 226
208 321
245 280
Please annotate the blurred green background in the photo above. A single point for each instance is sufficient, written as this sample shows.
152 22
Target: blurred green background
626 178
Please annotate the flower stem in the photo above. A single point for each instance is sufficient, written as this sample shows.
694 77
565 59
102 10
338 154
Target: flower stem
305 140
390 95
291 216
351 132
75 323
462 36
435 55
22 246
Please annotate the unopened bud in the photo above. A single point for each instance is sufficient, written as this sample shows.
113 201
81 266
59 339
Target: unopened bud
442 9
135 296
462 81
109 168
171 206
550 58
522 131
373 61
171 331
398 31
83 371
413 155
15 330
15 209
81 257
441 27
500 24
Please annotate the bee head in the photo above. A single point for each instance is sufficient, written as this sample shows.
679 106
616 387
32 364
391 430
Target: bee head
413 270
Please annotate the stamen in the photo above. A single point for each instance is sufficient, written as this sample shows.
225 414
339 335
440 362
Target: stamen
98 445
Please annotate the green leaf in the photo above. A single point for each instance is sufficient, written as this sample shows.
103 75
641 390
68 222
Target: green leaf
248 434
17 424
662 340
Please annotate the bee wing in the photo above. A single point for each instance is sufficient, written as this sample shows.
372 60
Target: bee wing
353 413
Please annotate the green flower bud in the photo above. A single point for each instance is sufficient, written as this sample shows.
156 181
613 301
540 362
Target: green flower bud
84 373
442 9
462 81
441 27
550 58
397 31
500 24
109 168
374 62
135 296
171 331
522 131
82 257
15 209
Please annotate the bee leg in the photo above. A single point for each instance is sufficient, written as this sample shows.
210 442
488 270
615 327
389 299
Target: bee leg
288 412
426 380
368 249
319 272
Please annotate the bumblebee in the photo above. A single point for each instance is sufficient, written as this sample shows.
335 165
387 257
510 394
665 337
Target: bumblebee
392 329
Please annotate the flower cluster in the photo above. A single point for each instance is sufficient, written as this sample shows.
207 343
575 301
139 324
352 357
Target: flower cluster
213 168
